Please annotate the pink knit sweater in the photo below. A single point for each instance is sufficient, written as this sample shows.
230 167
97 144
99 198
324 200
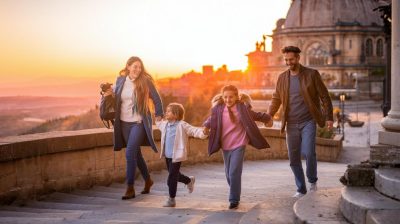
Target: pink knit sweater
233 133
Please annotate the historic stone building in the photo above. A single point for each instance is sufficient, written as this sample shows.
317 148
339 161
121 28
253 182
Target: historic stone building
343 39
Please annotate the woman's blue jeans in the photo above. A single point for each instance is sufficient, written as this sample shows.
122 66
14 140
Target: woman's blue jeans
300 139
134 134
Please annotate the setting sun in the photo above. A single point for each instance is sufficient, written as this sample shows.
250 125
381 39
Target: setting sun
45 40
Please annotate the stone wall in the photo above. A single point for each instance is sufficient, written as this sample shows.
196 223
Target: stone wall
32 165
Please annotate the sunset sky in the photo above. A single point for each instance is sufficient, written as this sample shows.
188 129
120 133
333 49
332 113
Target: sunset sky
51 42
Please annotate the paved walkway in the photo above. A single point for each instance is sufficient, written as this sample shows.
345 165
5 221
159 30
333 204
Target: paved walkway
266 190
266 198
358 140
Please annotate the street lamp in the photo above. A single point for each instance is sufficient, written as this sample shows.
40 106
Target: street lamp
342 98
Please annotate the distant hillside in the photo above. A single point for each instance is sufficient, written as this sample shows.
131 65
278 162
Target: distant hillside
18 114
32 102
87 120
54 86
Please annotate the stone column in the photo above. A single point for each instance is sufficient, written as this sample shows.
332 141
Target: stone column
391 123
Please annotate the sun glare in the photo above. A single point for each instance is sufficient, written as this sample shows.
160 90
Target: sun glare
94 38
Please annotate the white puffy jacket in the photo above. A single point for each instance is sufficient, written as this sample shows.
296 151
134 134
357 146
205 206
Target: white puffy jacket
181 143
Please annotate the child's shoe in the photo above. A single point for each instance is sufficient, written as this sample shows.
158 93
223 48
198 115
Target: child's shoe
298 195
190 185
233 205
170 203
313 187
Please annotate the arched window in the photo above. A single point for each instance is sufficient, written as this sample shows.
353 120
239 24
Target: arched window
379 48
317 54
368 47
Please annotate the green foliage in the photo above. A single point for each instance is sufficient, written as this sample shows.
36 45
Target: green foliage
325 132
377 72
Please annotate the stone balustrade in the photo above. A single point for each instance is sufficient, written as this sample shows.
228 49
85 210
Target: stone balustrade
33 165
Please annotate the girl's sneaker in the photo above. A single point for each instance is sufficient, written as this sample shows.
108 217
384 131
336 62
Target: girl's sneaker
170 203
298 195
313 187
190 185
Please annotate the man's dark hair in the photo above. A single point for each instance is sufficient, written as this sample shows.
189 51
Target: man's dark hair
292 49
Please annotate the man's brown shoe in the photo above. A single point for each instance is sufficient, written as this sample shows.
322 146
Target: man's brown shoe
130 193
147 185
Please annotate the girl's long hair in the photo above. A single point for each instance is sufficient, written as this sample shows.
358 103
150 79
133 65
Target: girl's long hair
141 85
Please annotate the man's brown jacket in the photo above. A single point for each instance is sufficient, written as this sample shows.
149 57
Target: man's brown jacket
313 91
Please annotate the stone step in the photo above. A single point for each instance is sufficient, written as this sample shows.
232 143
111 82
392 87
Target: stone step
266 198
97 194
113 221
356 202
222 217
383 217
385 154
28 220
321 206
199 203
37 210
49 214
105 189
387 181
152 200
277 210
116 193
158 186
78 199
112 214
170 215
62 205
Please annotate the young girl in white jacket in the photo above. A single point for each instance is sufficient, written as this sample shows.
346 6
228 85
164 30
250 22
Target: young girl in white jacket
174 143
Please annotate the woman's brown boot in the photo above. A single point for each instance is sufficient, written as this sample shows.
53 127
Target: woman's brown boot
130 193
147 185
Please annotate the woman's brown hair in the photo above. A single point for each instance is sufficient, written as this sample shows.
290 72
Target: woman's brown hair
141 85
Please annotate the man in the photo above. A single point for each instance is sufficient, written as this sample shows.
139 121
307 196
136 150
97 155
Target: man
301 92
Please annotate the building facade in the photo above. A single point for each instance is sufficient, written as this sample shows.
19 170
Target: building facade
344 40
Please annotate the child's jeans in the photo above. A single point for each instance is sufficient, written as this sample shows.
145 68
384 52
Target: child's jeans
175 176
233 161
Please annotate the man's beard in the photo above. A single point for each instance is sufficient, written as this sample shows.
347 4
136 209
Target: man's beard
291 66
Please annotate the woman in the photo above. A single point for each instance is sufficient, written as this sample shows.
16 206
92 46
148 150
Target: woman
133 124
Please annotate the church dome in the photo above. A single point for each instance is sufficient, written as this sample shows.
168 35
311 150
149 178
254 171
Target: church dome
329 13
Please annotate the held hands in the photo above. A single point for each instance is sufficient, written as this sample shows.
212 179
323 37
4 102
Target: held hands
269 124
206 131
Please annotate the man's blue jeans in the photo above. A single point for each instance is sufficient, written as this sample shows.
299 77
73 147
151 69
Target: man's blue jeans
134 135
300 139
